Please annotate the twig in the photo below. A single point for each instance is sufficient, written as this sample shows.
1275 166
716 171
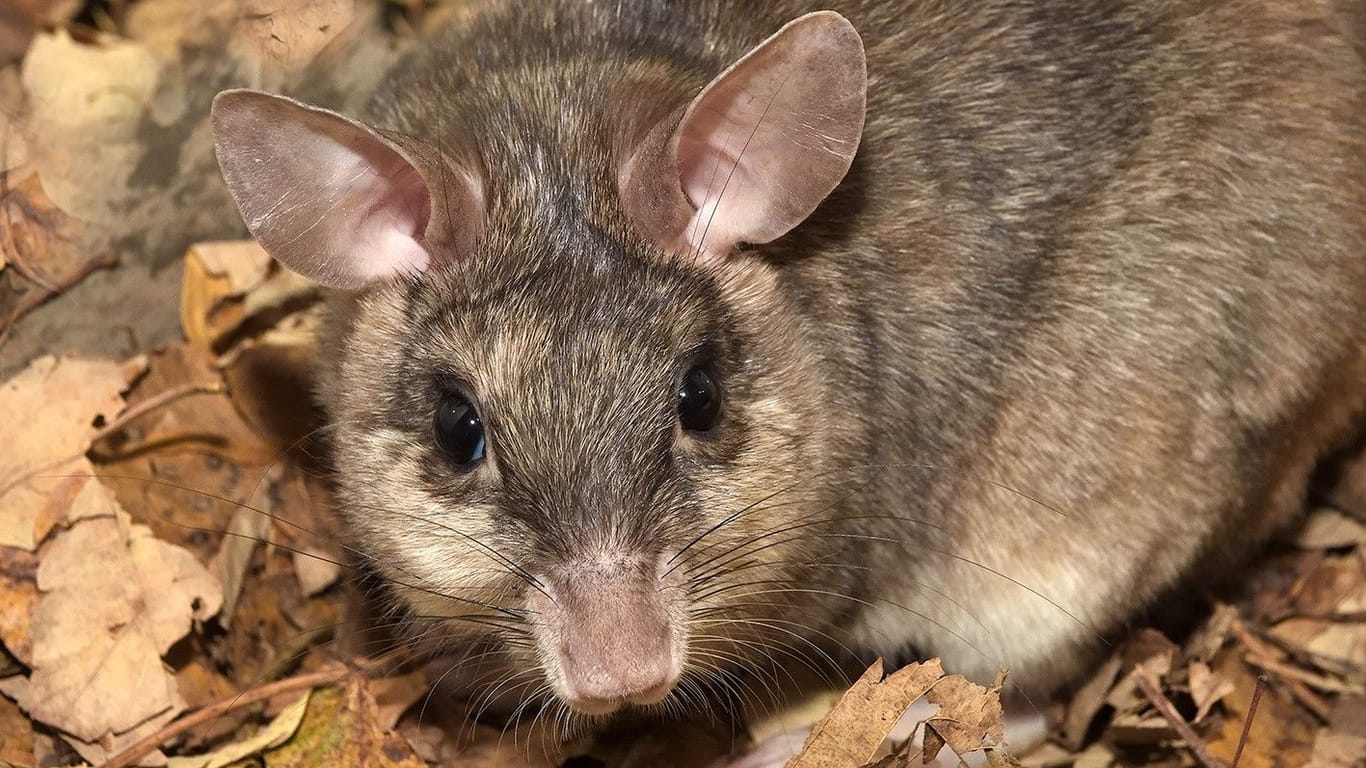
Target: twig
1153 691
1336 617
159 400
1309 700
36 298
1251 713
1311 679
200 716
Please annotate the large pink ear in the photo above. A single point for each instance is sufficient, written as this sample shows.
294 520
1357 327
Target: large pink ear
760 147
334 200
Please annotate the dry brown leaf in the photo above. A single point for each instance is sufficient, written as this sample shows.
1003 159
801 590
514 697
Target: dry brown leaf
200 685
16 735
281 37
854 730
341 729
242 264
1338 750
271 381
474 745
1087 702
1206 687
1327 528
21 19
1095 756
803 713
205 424
1336 586
33 507
247 528
278 731
1281 734
89 101
52 408
396 695
216 277
112 600
18 598
969 716
36 236
316 571
228 284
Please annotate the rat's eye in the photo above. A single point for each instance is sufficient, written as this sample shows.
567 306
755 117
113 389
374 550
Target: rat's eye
459 431
699 401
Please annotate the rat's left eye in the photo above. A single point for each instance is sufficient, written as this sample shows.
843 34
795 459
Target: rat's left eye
459 430
699 401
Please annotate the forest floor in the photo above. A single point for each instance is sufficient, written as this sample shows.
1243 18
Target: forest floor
171 583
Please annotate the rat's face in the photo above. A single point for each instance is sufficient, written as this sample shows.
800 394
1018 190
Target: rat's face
595 459
575 423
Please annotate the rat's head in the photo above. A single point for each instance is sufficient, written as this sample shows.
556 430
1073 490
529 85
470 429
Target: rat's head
588 444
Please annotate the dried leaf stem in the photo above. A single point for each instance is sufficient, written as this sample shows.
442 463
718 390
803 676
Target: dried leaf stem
1150 687
204 715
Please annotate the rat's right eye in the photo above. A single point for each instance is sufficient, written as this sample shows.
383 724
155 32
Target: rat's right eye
459 431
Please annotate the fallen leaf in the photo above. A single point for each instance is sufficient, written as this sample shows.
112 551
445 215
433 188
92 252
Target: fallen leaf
52 409
341 729
216 276
1087 702
18 598
16 735
802 714
396 695
21 19
31 508
112 600
287 35
1327 528
316 571
203 424
37 236
88 101
201 684
1206 688
1338 750
277 732
969 716
50 430
1281 734
245 531
854 730
271 381
1095 756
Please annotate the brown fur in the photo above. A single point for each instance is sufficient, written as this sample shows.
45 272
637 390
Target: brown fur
1081 320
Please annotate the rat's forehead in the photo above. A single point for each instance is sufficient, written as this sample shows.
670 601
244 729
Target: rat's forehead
572 311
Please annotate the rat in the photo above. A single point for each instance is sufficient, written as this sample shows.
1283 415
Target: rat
670 340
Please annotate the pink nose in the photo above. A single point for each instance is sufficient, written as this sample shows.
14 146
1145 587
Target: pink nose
612 637
599 680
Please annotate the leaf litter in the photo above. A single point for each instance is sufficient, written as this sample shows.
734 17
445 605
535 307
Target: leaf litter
171 586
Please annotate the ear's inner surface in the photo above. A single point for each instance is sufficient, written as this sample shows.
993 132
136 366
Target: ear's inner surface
761 146
333 199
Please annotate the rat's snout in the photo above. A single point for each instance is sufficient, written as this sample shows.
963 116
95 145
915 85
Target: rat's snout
607 637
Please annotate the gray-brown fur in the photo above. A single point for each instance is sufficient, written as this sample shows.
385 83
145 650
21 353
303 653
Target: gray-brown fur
1110 255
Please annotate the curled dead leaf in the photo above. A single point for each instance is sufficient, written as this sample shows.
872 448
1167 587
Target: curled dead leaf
852 732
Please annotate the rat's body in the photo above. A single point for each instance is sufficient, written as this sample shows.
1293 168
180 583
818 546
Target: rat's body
1111 256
